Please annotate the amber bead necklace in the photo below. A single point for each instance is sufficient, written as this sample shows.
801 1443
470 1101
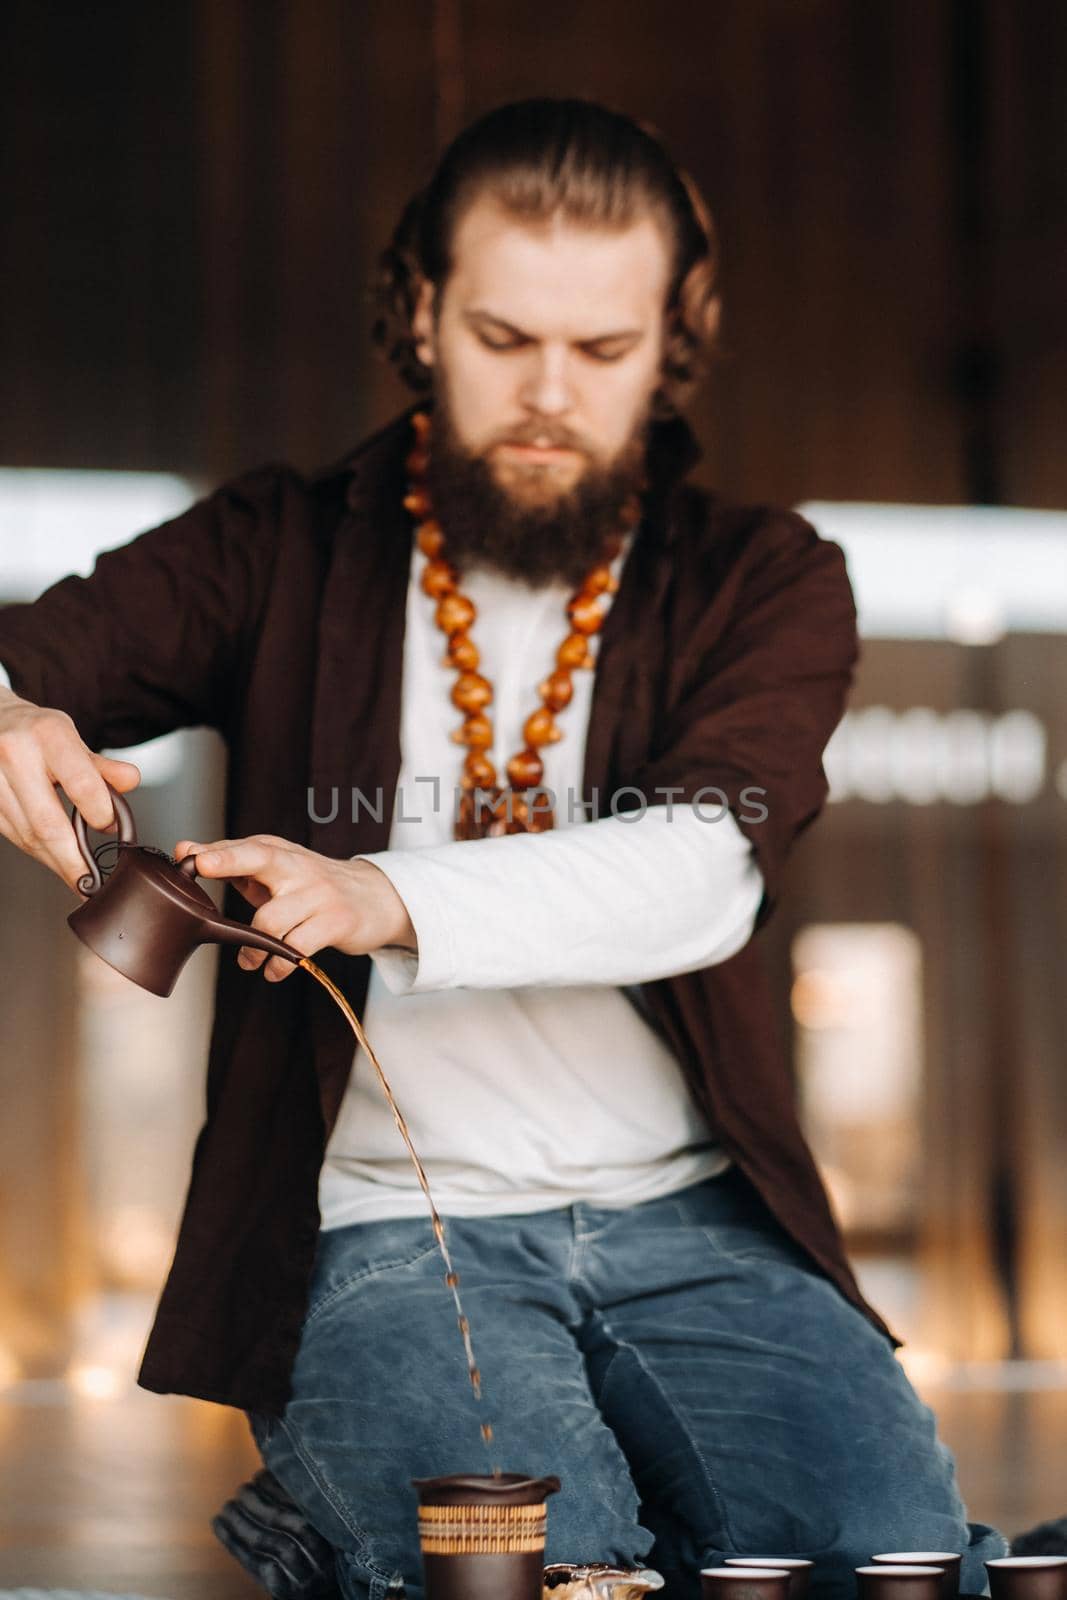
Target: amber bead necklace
487 807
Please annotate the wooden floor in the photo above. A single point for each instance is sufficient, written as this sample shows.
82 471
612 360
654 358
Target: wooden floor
118 1494
1011 1452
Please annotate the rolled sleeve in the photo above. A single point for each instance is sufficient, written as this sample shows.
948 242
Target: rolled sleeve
420 887
616 902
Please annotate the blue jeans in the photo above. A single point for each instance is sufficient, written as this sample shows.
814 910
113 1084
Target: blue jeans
698 1387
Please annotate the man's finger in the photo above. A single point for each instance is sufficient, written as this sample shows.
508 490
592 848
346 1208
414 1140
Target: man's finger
122 775
41 825
250 890
12 821
276 917
239 858
308 938
189 847
85 788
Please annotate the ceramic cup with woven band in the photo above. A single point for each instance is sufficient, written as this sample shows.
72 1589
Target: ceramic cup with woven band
744 1583
885 1581
947 1560
1028 1578
799 1570
483 1538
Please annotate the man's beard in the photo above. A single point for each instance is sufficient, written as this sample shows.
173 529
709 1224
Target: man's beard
562 538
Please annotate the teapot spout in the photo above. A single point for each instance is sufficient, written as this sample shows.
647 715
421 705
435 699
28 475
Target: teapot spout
221 930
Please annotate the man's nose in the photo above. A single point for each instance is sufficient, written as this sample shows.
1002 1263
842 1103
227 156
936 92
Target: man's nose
547 384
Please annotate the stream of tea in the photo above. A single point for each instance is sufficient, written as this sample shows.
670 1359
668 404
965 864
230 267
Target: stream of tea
451 1275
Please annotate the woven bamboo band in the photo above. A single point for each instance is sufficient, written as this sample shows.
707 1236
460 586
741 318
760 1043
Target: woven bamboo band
481 1530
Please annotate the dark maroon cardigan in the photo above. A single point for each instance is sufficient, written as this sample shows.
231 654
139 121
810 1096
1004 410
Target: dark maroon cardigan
274 611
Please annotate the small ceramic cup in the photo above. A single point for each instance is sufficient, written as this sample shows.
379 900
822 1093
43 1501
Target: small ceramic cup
797 1567
947 1560
900 1582
1028 1578
744 1583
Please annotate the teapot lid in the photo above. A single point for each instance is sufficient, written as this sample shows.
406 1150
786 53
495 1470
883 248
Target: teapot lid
470 1489
175 878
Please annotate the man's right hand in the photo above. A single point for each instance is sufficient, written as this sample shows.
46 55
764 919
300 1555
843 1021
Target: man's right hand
40 750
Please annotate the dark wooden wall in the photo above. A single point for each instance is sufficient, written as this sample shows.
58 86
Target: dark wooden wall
193 195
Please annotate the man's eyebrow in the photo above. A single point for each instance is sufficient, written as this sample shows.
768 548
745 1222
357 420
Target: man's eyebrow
616 336
619 336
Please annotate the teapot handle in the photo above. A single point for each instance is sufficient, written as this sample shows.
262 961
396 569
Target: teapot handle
93 880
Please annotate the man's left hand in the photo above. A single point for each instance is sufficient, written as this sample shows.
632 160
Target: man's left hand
305 899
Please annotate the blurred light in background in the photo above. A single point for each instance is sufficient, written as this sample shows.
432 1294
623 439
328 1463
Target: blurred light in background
857 1005
141 1063
965 573
57 522
10 1369
54 522
90 1382
921 756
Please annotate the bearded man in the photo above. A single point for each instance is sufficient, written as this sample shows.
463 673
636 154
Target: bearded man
521 727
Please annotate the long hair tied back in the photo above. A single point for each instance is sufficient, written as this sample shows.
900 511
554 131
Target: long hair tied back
537 158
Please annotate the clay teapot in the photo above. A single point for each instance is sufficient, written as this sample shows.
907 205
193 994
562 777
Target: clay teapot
148 915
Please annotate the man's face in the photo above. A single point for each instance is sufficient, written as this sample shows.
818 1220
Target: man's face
546 346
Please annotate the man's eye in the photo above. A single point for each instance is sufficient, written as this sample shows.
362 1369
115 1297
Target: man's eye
504 343
602 353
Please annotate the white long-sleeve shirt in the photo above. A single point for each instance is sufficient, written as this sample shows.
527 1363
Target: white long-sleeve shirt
528 1078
